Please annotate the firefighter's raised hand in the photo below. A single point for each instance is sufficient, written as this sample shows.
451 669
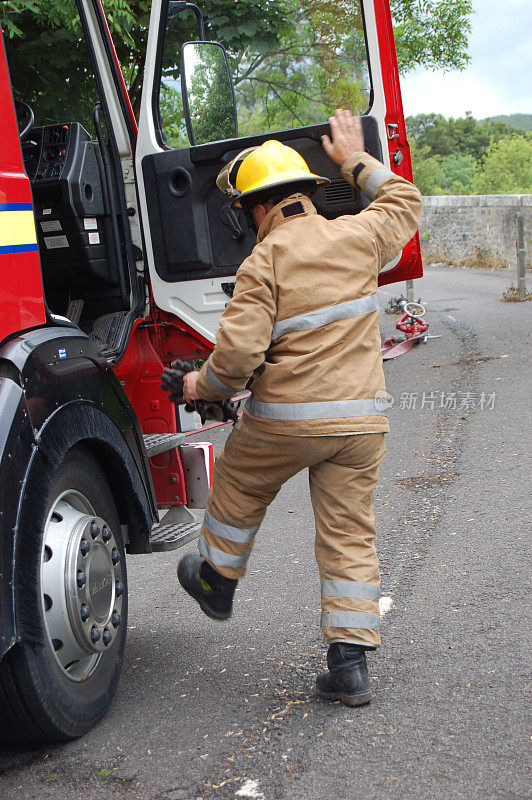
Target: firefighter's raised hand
347 136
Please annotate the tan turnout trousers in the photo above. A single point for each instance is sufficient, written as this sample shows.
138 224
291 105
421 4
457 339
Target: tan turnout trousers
343 472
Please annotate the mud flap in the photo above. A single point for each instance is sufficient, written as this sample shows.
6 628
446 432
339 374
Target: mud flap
197 459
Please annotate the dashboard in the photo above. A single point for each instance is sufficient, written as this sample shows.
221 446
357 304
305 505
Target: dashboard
71 206
48 149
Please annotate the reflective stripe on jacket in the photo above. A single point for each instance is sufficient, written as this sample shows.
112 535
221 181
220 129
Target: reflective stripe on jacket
303 320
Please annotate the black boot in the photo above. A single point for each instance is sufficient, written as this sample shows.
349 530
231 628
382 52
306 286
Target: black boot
347 679
213 592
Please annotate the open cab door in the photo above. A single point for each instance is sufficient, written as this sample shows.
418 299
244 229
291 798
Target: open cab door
289 73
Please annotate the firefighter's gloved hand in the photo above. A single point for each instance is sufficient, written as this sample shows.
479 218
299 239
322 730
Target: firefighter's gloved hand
172 379
217 410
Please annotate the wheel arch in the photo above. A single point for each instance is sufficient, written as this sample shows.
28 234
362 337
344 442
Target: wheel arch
72 426
137 521
57 392
83 424
16 451
72 394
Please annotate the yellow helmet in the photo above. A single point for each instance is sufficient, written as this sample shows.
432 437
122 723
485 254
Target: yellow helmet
258 168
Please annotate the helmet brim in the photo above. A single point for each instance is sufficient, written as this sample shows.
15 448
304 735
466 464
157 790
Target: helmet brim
315 180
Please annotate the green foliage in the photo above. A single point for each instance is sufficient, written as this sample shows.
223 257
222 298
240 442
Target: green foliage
210 99
460 156
506 168
319 64
47 35
51 46
172 119
465 135
457 174
236 24
431 33
291 61
520 121
426 169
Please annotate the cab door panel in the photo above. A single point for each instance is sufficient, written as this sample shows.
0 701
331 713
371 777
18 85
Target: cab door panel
194 242
192 234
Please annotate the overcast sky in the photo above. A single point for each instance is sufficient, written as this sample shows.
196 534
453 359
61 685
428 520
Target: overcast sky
498 79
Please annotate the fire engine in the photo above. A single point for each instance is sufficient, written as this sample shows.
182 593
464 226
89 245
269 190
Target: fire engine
118 255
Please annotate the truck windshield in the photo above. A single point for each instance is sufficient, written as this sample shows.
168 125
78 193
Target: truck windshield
49 62
292 63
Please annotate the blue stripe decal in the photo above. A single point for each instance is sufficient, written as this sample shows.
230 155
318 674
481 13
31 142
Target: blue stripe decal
16 206
18 248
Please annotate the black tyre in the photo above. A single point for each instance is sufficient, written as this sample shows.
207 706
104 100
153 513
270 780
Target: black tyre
71 605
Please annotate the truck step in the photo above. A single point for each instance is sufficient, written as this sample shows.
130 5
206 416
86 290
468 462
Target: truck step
170 537
156 443
107 332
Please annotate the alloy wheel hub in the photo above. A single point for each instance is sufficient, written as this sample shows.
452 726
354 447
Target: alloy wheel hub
82 584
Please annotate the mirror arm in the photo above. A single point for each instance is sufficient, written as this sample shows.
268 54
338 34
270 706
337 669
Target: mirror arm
178 7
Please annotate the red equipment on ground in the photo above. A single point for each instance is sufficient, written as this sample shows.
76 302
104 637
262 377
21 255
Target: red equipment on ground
412 325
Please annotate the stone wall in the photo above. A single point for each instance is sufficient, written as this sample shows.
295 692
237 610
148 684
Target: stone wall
476 231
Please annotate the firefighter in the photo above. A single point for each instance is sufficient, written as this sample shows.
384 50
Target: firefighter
303 326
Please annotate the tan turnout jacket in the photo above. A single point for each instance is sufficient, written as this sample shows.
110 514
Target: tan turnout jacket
303 320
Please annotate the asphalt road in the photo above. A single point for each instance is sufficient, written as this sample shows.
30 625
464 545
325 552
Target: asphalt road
226 710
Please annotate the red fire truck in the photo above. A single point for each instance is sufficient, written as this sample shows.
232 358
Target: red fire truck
118 255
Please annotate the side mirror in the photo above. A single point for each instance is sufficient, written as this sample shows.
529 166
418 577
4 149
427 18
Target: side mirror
207 92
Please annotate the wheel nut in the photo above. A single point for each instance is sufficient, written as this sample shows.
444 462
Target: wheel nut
84 547
115 619
95 634
95 530
106 533
115 556
81 578
107 637
119 588
84 612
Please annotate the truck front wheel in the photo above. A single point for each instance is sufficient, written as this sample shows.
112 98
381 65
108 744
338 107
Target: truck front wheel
61 678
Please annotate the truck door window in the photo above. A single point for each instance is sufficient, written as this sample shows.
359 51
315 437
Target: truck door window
49 64
289 69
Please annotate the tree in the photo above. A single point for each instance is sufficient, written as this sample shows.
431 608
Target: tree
452 174
426 169
465 156
507 167
520 121
457 174
48 60
210 98
319 64
431 33
464 136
